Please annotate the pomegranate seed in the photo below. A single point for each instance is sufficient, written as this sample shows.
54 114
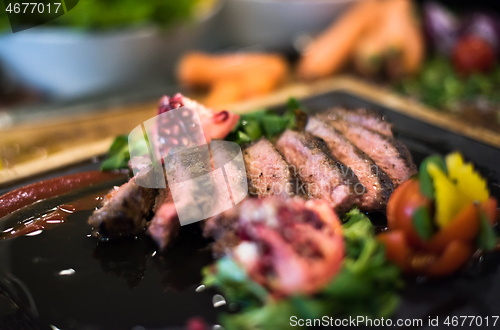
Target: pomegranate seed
221 116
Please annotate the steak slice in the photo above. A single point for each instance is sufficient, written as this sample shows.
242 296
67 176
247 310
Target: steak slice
165 225
322 175
363 117
378 185
267 172
389 154
126 210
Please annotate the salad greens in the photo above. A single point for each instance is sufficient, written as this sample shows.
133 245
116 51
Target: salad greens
267 123
366 285
439 86
100 15
119 153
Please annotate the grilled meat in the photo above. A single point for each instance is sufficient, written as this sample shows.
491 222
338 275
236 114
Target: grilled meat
322 175
388 153
378 185
227 157
267 172
126 210
363 117
165 225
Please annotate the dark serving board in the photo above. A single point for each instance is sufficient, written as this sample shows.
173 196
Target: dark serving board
127 285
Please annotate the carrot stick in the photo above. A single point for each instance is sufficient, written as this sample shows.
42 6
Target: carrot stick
224 92
200 70
406 47
414 47
330 51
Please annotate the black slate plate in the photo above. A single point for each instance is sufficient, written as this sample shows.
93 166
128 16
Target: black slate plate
127 285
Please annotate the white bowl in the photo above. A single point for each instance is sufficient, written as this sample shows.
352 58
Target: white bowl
68 63
276 24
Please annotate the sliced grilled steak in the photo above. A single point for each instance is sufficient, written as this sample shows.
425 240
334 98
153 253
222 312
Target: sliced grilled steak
322 175
196 189
165 225
388 153
267 172
127 209
227 157
378 185
363 117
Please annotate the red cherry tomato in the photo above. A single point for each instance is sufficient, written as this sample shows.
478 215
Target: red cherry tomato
473 54
451 260
447 250
490 208
396 248
403 203
464 228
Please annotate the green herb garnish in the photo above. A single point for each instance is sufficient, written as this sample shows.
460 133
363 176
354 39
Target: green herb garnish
487 238
267 123
422 223
426 182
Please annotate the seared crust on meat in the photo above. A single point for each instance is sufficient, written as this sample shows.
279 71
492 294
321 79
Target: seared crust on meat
388 153
126 213
363 117
322 175
126 210
267 172
378 185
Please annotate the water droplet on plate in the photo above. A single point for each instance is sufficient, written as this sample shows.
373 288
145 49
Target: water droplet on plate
69 271
34 233
217 327
218 300
201 288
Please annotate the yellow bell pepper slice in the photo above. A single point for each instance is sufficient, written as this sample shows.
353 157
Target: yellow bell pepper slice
462 186
468 181
449 201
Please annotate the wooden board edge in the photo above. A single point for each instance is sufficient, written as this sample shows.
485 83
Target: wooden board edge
54 161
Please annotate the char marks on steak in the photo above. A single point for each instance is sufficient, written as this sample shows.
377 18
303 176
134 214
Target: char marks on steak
267 172
363 117
126 210
322 175
378 185
388 153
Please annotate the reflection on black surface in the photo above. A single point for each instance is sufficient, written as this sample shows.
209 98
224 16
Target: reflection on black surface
125 258
181 264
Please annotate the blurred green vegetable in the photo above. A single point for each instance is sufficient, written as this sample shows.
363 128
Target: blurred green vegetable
439 86
267 123
119 153
101 15
367 285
